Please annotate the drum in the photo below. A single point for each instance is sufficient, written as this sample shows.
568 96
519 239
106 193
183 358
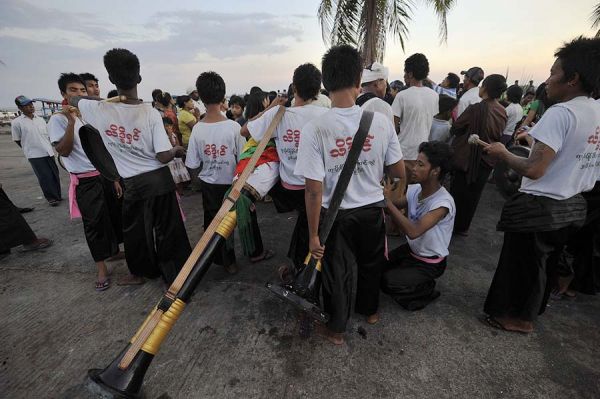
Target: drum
508 180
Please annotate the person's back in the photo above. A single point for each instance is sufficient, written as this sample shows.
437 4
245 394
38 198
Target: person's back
514 112
134 130
572 130
215 146
440 128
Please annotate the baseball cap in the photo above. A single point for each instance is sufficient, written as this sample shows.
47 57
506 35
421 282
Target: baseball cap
474 73
190 90
22 100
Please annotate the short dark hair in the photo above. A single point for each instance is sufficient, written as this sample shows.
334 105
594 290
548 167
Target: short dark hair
307 81
446 103
112 93
439 155
167 121
341 67
164 98
211 87
453 80
494 85
581 56
237 100
155 93
514 93
181 100
88 76
123 68
66 78
418 65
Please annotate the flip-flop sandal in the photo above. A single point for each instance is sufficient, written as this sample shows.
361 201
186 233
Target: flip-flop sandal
44 243
490 321
103 285
267 254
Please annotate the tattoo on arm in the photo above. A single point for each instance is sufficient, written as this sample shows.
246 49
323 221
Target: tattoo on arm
535 166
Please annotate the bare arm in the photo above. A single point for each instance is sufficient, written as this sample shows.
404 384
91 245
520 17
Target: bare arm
397 124
65 145
167 156
533 167
530 117
420 227
313 197
398 171
244 130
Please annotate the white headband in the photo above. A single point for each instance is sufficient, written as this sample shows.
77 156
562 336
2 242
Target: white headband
376 72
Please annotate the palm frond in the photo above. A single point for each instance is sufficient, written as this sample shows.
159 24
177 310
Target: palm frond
441 8
595 17
397 16
339 21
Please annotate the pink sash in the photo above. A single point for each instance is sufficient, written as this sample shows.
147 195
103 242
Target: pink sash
73 208
428 260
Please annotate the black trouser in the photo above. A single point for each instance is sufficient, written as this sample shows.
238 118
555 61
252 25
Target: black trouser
285 201
356 242
212 199
46 171
14 229
154 235
581 257
522 281
467 195
406 278
100 234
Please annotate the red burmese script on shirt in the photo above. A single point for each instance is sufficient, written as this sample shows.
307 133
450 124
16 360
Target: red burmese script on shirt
212 150
344 145
595 138
122 135
292 136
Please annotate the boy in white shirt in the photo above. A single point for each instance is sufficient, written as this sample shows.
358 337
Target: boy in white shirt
538 221
409 276
414 108
358 234
440 128
214 144
514 112
306 83
156 243
89 193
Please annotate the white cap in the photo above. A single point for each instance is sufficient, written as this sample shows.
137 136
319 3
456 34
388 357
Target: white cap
376 72
190 90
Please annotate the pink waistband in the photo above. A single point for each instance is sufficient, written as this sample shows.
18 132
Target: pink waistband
428 260
291 186
73 208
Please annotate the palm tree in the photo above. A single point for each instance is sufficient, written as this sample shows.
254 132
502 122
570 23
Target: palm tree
365 23
596 19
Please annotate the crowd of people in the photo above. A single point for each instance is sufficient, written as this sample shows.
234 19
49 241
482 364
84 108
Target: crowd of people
418 175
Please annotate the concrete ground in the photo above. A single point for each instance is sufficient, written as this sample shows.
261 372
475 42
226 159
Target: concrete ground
235 340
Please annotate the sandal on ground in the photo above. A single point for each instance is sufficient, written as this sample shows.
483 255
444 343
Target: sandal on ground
492 322
267 254
102 285
40 243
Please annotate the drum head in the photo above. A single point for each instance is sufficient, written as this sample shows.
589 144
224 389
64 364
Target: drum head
507 180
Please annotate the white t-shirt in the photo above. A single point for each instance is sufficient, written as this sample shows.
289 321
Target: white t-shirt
440 130
77 161
444 90
572 130
471 96
132 133
514 113
435 241
200 106
376 104
324 148
415 107
33 136
286 136
215 146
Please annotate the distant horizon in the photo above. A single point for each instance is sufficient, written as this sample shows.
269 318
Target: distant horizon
261 43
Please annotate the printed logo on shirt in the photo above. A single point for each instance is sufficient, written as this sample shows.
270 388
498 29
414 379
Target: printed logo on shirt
121 133
591 159
292 136
344 145
212 151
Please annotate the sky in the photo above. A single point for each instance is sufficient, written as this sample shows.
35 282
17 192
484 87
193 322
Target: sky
261 42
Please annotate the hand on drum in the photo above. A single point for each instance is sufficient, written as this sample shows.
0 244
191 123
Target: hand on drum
496 150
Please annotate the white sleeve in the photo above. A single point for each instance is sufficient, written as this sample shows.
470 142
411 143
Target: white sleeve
397 106
259 126
88 110
552 128
57 125
393 153
192 158
160 140
15 130
310 163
